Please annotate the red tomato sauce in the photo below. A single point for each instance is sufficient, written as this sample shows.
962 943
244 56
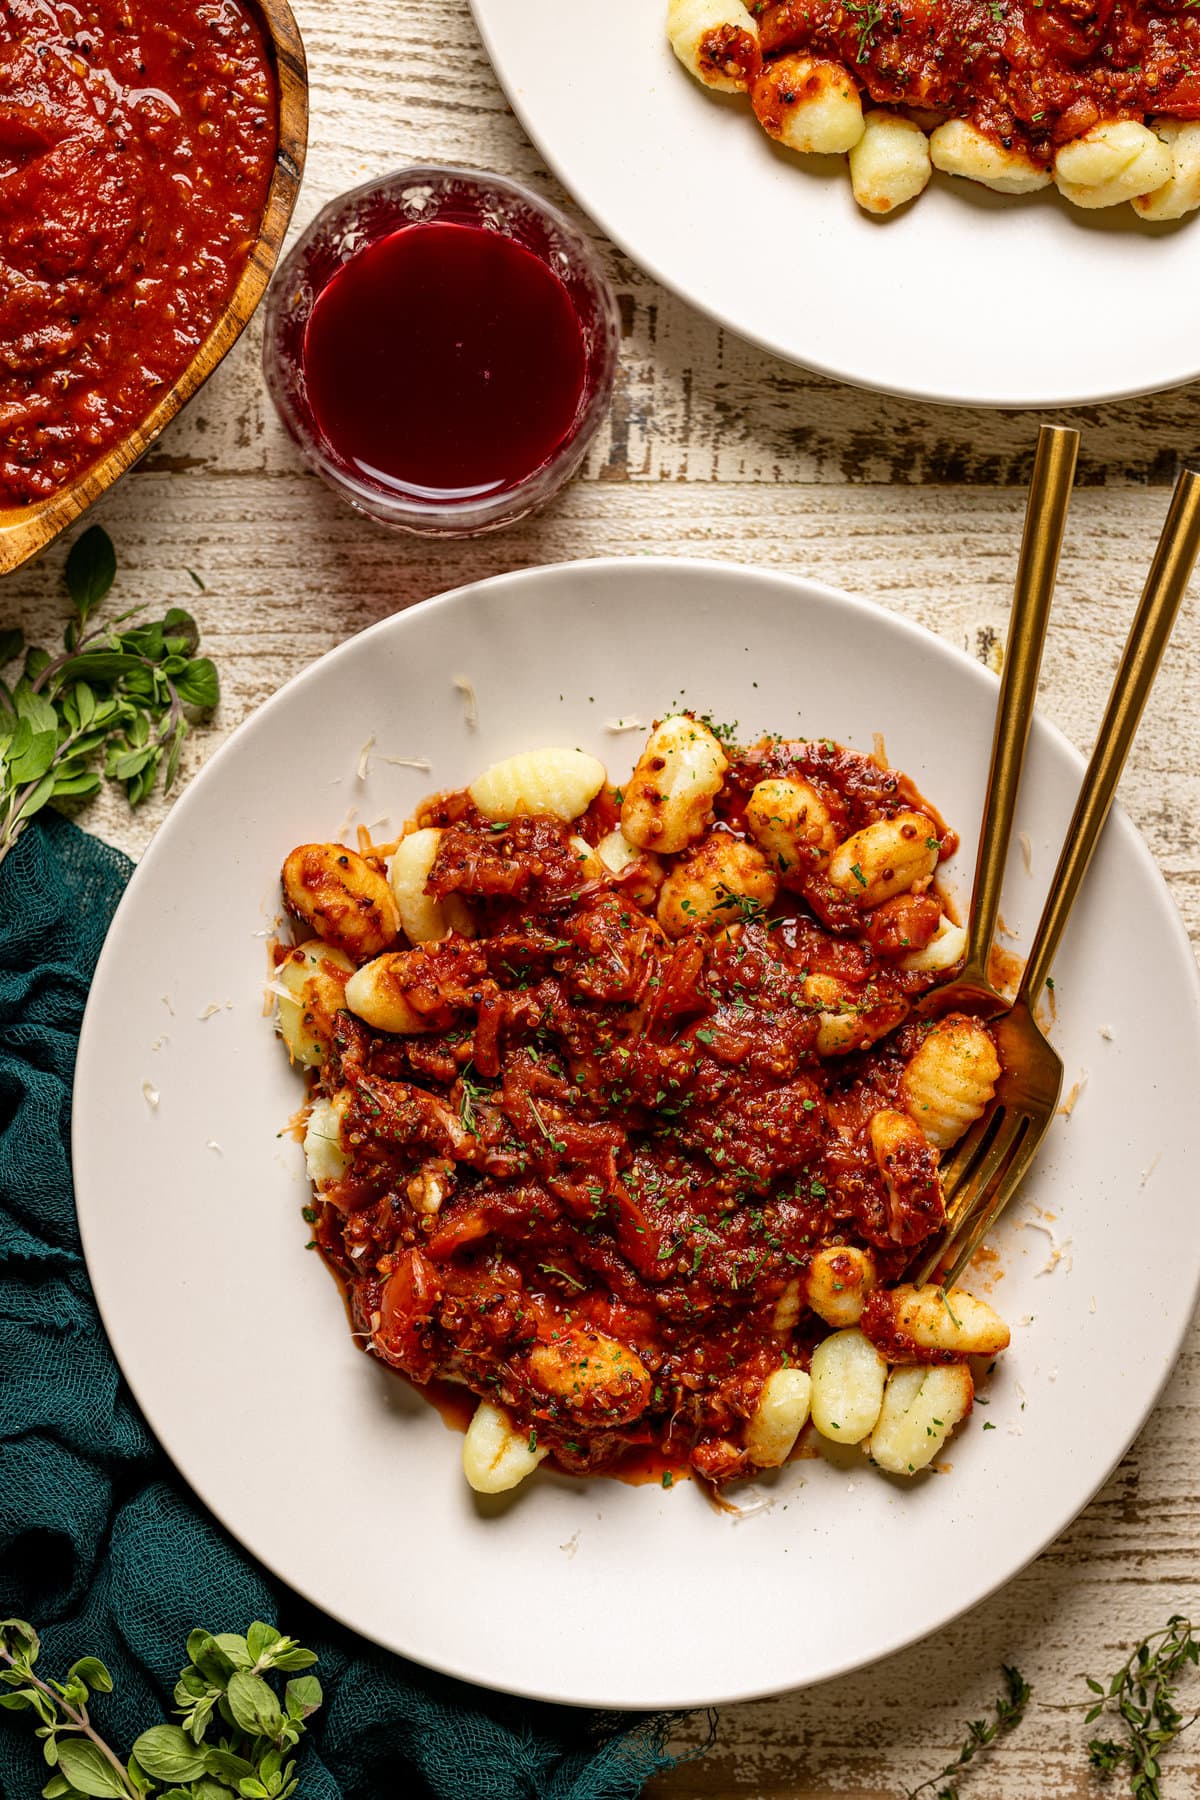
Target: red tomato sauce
137 140
638 1146
1032 75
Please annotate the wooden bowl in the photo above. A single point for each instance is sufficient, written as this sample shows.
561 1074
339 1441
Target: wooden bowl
25 530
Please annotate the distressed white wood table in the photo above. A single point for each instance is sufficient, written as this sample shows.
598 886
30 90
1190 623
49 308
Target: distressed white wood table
713 449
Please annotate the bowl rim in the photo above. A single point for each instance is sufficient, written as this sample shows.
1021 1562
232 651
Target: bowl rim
27 530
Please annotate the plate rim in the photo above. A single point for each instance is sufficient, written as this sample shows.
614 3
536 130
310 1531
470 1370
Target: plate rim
984 402
601 568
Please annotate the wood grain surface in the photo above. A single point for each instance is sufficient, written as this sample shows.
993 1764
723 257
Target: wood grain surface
715 450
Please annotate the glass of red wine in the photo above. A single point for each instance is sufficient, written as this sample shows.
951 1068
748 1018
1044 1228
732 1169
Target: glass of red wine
441 344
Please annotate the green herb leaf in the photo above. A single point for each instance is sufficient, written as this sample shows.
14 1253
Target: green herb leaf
89 1771
92 1671
198 685
167 1753
302 1696
91 570
260 1637
20 1640
253 1704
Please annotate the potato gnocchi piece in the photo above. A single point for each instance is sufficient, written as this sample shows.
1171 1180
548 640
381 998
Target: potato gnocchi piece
497 1457
721 882
810 104
933 1318
376 994
342 897
848 1376
849 1021
959 148
950 1079
890 164
586 1370
314 977
424 920
1180 192
788 1308
669 796
553 780
893 856
790 823
837 1283
947 946
716 41
1110 163
324 1156
617 853
921 1407
778 1419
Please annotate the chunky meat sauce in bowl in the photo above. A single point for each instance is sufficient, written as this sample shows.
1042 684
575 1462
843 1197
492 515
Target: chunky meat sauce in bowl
622 1118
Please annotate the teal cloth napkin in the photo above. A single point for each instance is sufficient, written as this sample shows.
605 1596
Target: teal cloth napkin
102 1546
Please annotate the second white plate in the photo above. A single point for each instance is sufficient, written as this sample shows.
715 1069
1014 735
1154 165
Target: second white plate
332 1470
963 296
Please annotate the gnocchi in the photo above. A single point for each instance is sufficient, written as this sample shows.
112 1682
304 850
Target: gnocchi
1110 163
960 148
916 1321
668 798
893 856
310 984
950 1079
891 162
779 1418
609 1130
723 880
790 823
423 919
1180 192
848 1376
809 104
561 782
342 897
920 1409
715 40
495 1455
838 1282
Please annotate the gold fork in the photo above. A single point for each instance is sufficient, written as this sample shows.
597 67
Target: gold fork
989 1164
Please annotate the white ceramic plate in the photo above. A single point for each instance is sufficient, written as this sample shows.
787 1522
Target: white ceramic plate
332 1470
964 296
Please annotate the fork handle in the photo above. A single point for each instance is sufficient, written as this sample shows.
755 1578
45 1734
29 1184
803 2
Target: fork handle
1045 522
1166 584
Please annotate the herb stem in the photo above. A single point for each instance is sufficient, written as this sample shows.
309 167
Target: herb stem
79 1719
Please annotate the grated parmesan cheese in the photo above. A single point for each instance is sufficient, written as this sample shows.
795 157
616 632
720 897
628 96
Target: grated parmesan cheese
1026 851
615 725
150 1094
1148 1171
470 701
1068 1106
409 762
363 768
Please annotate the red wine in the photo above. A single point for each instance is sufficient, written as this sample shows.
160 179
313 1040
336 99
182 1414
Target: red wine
444 362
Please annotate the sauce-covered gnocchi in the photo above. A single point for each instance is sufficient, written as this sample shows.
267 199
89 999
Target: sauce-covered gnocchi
623 1118
1017 95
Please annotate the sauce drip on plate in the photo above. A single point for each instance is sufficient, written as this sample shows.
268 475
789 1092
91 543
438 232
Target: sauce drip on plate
444 362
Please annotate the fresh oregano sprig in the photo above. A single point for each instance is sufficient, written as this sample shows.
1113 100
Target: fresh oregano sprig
1009 1709
1143 1694
116 698
234 1739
